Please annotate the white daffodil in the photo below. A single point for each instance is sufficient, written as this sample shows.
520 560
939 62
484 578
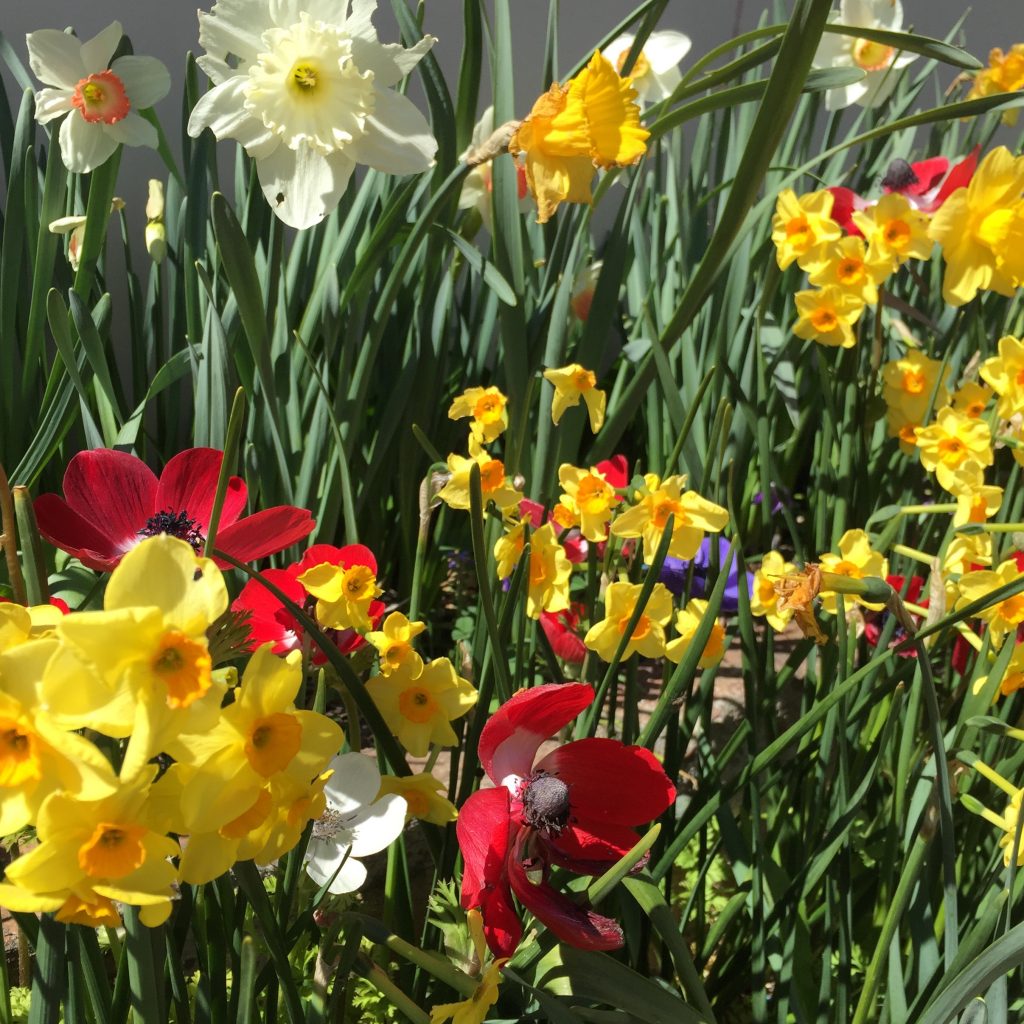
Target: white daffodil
655 71
355 824
879 62
308 94
101 99
478 184
75 226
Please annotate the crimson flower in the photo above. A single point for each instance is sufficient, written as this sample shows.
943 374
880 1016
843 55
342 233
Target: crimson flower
573 809
562 630
113 500
271 622
574 545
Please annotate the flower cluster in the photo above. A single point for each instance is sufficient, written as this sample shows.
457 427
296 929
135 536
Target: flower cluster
1005 73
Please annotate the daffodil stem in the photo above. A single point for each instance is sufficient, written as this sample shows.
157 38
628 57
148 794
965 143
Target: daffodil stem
37 590
921 510
383 984
908 552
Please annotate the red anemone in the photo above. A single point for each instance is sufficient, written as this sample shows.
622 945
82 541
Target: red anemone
574 808
113 500
562 630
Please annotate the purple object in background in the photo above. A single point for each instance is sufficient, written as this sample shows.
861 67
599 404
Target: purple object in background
675 571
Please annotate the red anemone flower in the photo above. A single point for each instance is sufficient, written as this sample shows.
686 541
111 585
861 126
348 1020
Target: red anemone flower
271 622
562 630
615 470
113 500
926 183
573 809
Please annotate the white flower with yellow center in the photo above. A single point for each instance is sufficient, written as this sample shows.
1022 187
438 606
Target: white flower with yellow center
101 99
880 62
655 71
305 87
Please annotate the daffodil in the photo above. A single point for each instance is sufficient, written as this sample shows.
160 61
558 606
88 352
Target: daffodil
508 549
74 227
590 495
895 230
419 710
801 226
571 383
880 62
688 620
476 1008
1003 616
765 599
827 316
494 484
394 644
971 398
648 636
343 594
952 441
422 795
655 72
1005 73
478 185
1005 373
308 90
692 517
549 571
848 266
593 121
1007 822
855 559
101 98
979 229
583 289
977 504
911 385
487 410
964 553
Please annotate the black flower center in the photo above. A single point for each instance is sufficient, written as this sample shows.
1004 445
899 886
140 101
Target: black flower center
900 176
175 524
546 803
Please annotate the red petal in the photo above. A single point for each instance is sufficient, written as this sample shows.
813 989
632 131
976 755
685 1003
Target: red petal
64 528
568 921
265 533
270 621
509 740
610 782
564 642
482 830
615 470
600 843
844 202
576 547
959 177
532 512
114 491
927 173
189 484
346 557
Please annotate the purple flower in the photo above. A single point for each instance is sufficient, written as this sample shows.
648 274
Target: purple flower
675 571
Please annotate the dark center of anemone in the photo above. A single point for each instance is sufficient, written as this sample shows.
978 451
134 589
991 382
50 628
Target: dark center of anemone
546 803
899 176
175 524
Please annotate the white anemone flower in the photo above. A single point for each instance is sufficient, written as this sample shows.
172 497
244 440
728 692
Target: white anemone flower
880 63
355 824
308 94
101 99
655 71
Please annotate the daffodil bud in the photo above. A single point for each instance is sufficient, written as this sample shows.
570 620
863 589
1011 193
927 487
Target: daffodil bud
156 233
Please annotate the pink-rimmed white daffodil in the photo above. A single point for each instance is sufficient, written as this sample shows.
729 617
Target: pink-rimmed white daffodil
306 87
100 98
655 72
880 62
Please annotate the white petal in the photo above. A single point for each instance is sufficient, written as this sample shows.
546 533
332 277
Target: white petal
62 225
833 51
616 48
326 861
234 26
664 50
55 57
858 12
878 86
96 52
887 14
398 139
663 83
379 826
222 110
302 186
51 103
840 99
84 146
359 22
484 128
355 782
146 79
389 63
287 12
133 130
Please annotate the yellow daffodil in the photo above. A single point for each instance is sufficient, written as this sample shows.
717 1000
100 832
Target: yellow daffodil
693 516
1004 616
801 226
648 637
847 265
571 383
856 559
952 441
979 229
765 599
687 622
911 385
977 504
487 409
590 495
594 121
971 399
476 1008
1013 677
965 551
508 549
419 710
145 654
1005 73
422 797
548 583
343 594
394 644
1007 821
1005 373
92 852
494 484
827 315
895 231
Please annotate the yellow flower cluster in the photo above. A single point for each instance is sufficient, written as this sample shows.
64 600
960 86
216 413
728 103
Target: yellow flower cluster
1005 73
244 777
